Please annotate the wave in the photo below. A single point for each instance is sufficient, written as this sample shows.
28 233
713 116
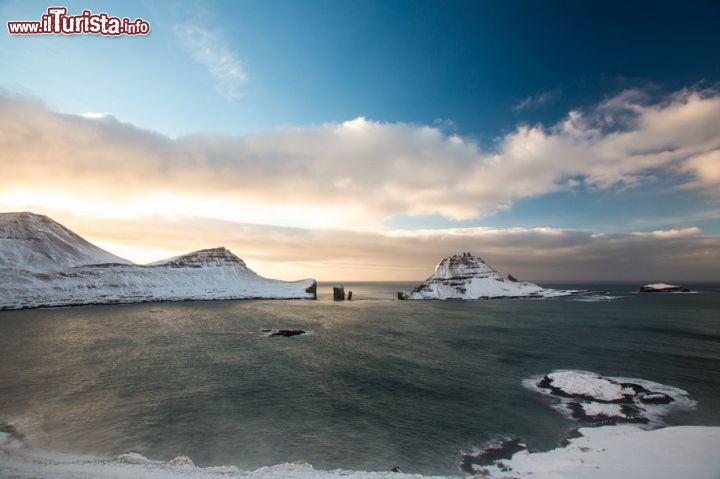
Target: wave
17 460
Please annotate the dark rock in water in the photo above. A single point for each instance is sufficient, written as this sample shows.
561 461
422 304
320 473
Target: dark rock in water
339 293
505 450
349 295
312 289
286 333
512 278
635 387
12 431
402 296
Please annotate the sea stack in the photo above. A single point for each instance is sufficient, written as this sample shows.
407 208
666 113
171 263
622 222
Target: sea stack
339 293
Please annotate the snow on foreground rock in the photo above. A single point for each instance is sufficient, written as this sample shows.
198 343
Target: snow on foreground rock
591 398
42 263
465 276
622 452
609 452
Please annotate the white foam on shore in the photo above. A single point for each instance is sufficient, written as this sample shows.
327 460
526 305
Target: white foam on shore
19 461
595 298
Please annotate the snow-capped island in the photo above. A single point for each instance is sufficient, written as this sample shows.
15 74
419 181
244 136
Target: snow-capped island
43 264
663 288
464 276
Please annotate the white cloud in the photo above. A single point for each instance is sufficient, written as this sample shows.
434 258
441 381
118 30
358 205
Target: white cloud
669 234
91 115
209 48
357 173
705 167
538 100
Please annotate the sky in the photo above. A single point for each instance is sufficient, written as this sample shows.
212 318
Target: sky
365 140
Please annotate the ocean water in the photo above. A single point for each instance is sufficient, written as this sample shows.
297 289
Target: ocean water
376 383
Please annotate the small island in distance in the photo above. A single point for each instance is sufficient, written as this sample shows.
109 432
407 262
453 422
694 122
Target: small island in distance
663 288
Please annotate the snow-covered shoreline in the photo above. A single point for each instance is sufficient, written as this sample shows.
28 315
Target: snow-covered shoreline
608 452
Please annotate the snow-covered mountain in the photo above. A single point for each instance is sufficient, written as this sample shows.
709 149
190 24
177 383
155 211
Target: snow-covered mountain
42 263
33 242
464 276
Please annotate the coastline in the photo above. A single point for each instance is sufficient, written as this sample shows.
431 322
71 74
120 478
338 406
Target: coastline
616 452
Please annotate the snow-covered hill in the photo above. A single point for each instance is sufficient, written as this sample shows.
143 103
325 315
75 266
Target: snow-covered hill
43 263
465 276
33 242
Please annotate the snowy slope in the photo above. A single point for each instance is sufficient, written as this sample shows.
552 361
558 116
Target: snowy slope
36 243
465 276
58 268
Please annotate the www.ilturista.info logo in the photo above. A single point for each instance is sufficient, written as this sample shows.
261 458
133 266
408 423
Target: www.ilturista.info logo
57 22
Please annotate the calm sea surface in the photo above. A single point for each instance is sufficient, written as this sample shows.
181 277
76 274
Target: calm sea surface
377 382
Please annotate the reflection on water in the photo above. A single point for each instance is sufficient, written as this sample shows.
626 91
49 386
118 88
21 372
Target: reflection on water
377 383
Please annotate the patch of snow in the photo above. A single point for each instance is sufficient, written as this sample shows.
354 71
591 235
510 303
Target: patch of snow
587 384
602 409
623 452
661 286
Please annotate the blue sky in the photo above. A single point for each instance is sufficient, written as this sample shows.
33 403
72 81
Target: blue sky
473 63
481 75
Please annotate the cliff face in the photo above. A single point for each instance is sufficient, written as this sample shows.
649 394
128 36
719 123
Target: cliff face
43 263
464 276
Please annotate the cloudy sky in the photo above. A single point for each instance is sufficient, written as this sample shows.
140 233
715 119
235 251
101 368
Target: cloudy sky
353 140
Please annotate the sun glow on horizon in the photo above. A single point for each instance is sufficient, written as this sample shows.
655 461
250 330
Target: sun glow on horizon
174 207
